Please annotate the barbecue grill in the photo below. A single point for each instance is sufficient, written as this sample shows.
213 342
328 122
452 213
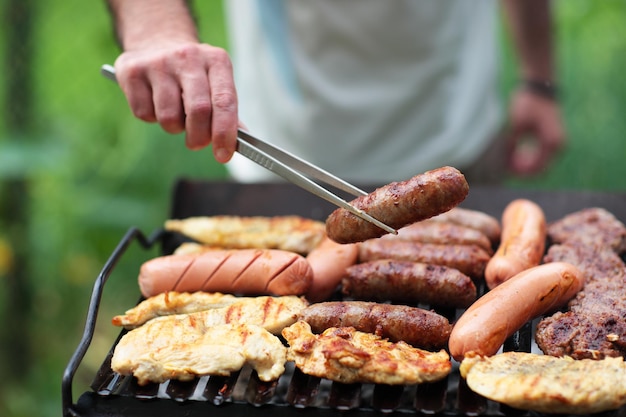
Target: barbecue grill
294 394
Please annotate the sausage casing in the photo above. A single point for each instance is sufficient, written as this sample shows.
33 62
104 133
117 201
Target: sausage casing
421 328
475 219
523 242
495 316
398 204
469 259
409 282
329 261
236 271
430 231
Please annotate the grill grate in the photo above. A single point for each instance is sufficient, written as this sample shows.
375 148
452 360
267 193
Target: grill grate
295 389
298 391
243 394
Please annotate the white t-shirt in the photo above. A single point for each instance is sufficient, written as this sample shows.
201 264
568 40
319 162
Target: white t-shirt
370 90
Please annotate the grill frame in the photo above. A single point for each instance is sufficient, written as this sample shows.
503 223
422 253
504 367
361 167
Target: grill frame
196 198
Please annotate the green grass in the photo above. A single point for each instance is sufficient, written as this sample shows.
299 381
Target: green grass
591 54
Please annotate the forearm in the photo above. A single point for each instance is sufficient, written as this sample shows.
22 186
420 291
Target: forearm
533 112
140 23
530 23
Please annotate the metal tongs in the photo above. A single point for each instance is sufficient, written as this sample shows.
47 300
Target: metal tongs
293 169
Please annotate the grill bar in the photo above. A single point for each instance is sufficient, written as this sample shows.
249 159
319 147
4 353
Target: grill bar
94 304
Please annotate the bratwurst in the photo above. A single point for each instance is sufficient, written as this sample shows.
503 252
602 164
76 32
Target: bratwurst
431 231
469 259
474 219
418 327
398 204
409 282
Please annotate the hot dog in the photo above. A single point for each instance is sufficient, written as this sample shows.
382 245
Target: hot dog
486 224
494 317
469 259
329 261
409 282
421 328
237 271
523 242
398 204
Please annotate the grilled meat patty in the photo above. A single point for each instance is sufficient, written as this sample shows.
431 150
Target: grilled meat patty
583 336
594 326
591 226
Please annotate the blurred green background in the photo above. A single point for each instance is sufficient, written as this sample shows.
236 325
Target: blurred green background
77 170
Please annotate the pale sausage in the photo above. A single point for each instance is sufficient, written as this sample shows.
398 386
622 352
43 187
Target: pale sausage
523 242
329 261
236 271
494 317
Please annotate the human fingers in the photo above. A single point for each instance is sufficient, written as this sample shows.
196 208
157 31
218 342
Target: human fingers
184 87
137 89
153 93
536 134
532 152
198 108
210 104
527 158
224 120
551 140
168 106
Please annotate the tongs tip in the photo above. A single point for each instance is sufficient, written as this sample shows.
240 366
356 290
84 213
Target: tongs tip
374 221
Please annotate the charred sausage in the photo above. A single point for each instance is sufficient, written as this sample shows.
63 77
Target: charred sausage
430 231
421 328
409 282
486 224
469 259
398 204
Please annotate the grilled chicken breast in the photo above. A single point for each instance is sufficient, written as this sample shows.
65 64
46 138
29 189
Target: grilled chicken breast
346 355
172 302
271 313
183 348
292 233
548 384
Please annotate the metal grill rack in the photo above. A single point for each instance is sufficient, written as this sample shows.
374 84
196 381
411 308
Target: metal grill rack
294 394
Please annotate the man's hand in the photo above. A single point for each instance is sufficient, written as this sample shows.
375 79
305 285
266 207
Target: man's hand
184 86
536 133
